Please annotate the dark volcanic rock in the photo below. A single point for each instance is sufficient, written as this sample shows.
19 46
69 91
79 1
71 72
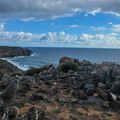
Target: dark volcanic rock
6 51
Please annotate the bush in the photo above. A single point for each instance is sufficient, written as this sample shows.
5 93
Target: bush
56 111
69 66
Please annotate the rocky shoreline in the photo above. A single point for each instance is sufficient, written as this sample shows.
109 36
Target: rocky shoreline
74 90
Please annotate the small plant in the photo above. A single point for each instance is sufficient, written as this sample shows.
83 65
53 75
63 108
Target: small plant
68 105
69 66
56 111
20 105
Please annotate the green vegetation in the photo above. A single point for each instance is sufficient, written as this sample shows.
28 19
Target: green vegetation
56 111
69 66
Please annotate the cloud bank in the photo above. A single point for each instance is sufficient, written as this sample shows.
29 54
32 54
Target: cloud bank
55 39
50 9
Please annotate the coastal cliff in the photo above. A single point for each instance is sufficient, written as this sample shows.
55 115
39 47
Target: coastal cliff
6 51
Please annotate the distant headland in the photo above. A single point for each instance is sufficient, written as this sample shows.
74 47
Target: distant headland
7 51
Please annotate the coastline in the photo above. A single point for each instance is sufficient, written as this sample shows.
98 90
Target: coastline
24 68
82 84
15 64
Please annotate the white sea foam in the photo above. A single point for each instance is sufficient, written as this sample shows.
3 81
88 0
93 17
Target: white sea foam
33 54
22 67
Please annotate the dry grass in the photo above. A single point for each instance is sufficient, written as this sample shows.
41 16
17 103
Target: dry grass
65 113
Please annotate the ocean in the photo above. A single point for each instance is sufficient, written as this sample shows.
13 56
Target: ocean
43 56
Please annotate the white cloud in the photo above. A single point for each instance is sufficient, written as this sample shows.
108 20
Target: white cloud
110 23
98 28
111 40
2 26
84 40
95 11
45 9
74 26
116 28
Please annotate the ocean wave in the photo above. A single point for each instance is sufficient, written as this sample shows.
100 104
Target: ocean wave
17 57
22 67
33 54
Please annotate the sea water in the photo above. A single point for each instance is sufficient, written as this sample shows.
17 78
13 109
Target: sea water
43 56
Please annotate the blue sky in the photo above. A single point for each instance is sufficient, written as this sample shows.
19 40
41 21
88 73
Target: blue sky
62 23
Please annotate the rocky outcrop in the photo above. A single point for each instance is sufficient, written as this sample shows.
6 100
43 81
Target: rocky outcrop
64 60
47 93
9 92
6 51
6 67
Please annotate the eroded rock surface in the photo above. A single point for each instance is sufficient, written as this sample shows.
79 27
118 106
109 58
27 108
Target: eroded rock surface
47 93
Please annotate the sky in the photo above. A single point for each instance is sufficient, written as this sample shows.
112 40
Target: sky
60 23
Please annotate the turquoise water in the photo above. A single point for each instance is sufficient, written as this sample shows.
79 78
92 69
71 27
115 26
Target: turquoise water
42 56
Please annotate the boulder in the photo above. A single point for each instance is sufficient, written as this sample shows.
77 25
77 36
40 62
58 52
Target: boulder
113 97
64 60
6 78
10 91
101 85
108 72
103 94
26 83
52 70
116 88
89 89
104 74
46 76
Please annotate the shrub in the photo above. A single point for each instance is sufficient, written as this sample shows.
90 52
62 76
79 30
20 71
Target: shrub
69 66
56 111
